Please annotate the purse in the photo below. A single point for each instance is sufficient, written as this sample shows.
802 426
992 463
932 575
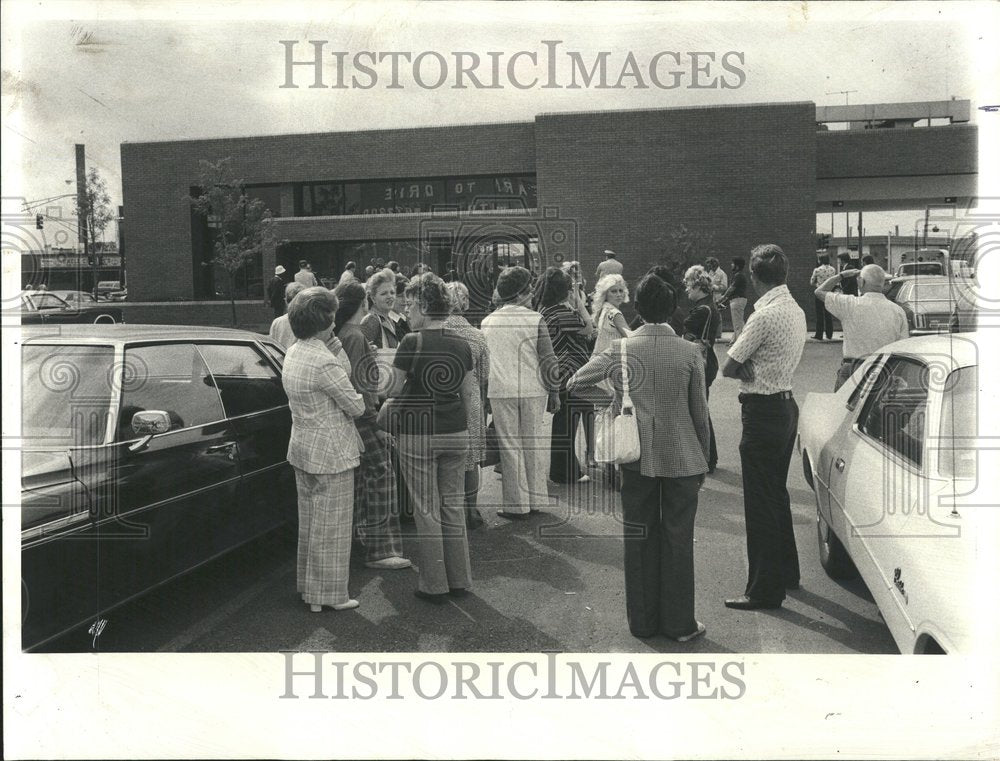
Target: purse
491 456
391 409
704 345
616 437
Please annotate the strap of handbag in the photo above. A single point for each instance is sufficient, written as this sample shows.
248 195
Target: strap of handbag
626 397
708 323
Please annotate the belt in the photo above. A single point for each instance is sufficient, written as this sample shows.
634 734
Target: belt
852 360
744 398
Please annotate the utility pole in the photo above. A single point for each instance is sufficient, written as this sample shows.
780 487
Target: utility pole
82 215
861 236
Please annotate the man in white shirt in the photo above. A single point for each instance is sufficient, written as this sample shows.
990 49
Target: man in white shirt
764 358
305 275
870 321
720 283
610 265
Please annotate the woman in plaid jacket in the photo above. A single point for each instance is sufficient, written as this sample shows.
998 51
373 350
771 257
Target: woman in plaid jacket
324 450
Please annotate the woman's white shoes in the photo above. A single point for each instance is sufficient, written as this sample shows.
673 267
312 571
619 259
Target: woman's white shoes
349 605
394 563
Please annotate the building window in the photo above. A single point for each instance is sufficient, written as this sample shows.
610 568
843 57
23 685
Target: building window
416 195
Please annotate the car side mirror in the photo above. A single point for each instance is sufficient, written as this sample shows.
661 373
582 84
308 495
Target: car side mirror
150 422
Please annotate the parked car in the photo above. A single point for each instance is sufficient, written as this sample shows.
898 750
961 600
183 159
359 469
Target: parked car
889 457
107 287
75 298
935 304
920 268
147 451
38 307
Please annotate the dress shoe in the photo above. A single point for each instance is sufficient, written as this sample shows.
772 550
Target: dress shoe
699 630
436 599
458 592
512 516
749 603
394 563
349 605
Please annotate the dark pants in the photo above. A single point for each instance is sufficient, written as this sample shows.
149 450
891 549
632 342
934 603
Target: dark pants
765 453
824 321
658 515
713 450
564 468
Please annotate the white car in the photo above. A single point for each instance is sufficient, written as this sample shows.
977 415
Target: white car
890 457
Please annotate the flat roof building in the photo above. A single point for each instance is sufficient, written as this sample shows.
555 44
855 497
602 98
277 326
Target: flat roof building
563 186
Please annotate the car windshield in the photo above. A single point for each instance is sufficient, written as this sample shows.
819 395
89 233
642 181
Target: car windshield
934 292
66 394
959 425
921 268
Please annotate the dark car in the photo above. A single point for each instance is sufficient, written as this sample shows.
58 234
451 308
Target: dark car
935 304
45 307
146 452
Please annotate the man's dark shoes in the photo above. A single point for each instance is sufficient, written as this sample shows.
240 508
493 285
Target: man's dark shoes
432 598
749 603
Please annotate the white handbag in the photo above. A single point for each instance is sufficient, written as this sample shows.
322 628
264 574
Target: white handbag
616 437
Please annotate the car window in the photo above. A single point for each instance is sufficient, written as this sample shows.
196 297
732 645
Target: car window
895 412
47 301
168 377
66 394
276 352
959 420
867 379
245 378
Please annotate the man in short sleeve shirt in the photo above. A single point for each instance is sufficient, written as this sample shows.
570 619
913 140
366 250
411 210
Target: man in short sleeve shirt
870 321
764 358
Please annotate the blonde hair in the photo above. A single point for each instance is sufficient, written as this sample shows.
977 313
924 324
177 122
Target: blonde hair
698 277
459 295
604 285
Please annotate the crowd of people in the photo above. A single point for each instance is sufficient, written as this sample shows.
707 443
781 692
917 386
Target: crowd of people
397 398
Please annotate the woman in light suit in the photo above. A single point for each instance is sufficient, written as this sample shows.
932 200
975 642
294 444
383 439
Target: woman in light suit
660 491
323 450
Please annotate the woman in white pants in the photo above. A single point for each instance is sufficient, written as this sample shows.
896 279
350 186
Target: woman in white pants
524 383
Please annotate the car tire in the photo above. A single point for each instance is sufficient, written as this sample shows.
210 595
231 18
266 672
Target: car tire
832 555
105 319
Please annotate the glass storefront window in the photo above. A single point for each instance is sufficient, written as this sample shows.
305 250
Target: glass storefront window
418 195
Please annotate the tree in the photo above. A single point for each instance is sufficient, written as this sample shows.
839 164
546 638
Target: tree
240 226
94 214
686 247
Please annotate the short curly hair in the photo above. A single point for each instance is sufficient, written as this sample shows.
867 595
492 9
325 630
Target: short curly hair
428 291
459 294
698 277
312 311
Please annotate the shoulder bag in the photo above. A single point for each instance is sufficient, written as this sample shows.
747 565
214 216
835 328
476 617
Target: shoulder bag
704 344
616 437
389 412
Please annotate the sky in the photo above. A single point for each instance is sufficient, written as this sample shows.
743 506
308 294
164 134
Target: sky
107 73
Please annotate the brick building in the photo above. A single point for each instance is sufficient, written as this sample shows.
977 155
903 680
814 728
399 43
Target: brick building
562 186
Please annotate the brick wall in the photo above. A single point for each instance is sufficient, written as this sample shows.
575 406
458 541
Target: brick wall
948 149
744 173
157 177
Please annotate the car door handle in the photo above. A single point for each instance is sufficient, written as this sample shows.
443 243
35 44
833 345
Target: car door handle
229 447
839 464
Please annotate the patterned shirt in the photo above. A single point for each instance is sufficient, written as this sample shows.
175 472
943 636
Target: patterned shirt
870 322
323 404
772 342
821 274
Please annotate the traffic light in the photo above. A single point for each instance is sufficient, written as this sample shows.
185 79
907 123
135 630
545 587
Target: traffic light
39 221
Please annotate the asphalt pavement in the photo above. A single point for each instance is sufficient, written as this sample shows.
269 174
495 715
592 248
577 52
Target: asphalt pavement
553 582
